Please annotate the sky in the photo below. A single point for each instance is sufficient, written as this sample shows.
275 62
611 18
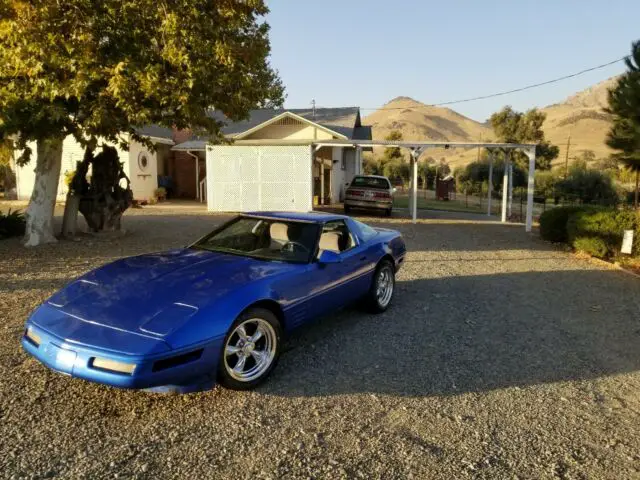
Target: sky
366 52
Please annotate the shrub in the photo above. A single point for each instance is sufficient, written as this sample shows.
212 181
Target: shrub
594 246
12 224
553 223
606 225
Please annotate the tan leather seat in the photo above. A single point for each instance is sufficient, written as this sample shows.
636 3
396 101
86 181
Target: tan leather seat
279 233
329 241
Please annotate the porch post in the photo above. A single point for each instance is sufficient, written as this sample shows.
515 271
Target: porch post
358 165
321 181
490 182
531 154
505 186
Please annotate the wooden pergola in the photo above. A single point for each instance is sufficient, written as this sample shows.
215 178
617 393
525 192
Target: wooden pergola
418 148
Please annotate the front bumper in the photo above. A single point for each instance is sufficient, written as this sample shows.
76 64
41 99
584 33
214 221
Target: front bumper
76 360
369 204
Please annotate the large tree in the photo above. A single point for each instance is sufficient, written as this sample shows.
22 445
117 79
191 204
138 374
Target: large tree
100 69
624 104
511 126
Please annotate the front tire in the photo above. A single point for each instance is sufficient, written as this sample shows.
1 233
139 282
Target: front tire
383 286
347 210
251 349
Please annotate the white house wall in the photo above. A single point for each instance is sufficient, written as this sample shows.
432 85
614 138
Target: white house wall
246 178
144 181
72 152
337 175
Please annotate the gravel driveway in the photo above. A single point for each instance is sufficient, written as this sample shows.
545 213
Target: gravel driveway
500 358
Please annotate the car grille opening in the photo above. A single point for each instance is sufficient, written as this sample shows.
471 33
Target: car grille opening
177 360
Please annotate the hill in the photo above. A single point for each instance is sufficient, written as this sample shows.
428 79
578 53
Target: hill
580 115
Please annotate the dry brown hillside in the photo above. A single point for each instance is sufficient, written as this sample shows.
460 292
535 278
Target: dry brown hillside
581 115
418 121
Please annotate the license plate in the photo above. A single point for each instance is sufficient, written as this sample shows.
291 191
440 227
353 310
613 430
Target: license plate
60 358
368 195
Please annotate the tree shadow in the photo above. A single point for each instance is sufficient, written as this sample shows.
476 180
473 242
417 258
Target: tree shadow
452 335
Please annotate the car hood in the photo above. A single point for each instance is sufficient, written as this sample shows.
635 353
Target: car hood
156 293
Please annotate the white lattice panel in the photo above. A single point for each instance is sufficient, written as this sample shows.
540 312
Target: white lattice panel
241 178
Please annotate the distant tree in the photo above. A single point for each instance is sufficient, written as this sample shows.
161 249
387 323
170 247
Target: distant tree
372 164
624 105
443 168
517 127
588 156
100 69
393 153
397 168
587 185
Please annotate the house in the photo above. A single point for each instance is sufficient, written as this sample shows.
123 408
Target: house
141 165
278 160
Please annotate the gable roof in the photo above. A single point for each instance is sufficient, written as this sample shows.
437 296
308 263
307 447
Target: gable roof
342 120
288 114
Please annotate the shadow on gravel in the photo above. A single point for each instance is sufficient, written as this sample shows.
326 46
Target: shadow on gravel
471 334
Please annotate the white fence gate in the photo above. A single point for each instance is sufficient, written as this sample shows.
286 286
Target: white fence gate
243 178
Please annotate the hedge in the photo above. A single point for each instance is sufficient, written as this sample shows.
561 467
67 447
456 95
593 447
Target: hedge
607 226
553 222
593 230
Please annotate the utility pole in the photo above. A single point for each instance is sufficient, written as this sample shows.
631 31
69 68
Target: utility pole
478 155
313 108
566 158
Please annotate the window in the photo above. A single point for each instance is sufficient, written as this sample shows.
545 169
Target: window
264 238
143 161
336 237
371 182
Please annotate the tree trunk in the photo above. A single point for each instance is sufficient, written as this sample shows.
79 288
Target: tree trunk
637 187
39 214
70 217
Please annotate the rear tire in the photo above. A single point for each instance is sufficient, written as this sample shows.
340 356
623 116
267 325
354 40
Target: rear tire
250 350
388 212
382 289
347 210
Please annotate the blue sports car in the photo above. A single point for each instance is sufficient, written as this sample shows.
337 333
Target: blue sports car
217 310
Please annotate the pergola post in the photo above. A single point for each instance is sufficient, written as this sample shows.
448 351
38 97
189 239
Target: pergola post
510 206
531 155
490 181
505 186
413 199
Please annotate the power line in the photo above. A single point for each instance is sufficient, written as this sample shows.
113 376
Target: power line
507 92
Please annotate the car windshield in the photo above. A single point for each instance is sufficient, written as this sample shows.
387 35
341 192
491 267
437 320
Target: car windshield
371 182
264 238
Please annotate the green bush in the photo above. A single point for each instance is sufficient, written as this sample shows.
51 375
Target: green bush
593 230
594 246
12 224
553 223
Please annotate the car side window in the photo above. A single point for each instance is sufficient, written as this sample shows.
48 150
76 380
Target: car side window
336 237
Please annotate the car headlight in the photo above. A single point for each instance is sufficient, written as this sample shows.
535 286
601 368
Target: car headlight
113 365
33 336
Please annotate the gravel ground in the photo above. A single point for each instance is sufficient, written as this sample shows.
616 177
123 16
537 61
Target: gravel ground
501 357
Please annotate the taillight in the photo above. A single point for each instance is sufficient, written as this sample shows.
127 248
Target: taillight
382 195
355 193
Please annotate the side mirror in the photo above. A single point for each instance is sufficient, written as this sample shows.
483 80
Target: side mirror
327 256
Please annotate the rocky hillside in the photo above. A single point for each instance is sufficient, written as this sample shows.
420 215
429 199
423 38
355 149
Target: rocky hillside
580 115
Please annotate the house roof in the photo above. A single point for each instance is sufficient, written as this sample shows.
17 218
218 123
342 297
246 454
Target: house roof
155 131
343 120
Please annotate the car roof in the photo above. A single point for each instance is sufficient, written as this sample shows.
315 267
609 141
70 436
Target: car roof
372 176
314 217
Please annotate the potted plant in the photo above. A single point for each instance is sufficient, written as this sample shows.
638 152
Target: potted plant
160 193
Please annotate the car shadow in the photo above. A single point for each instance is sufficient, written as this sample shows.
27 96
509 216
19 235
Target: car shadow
471 334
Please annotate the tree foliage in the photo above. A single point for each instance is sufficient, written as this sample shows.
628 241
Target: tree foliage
624 105
88 69
587 185
393 153
517 127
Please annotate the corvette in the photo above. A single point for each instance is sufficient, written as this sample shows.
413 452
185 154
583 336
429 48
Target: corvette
218 310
